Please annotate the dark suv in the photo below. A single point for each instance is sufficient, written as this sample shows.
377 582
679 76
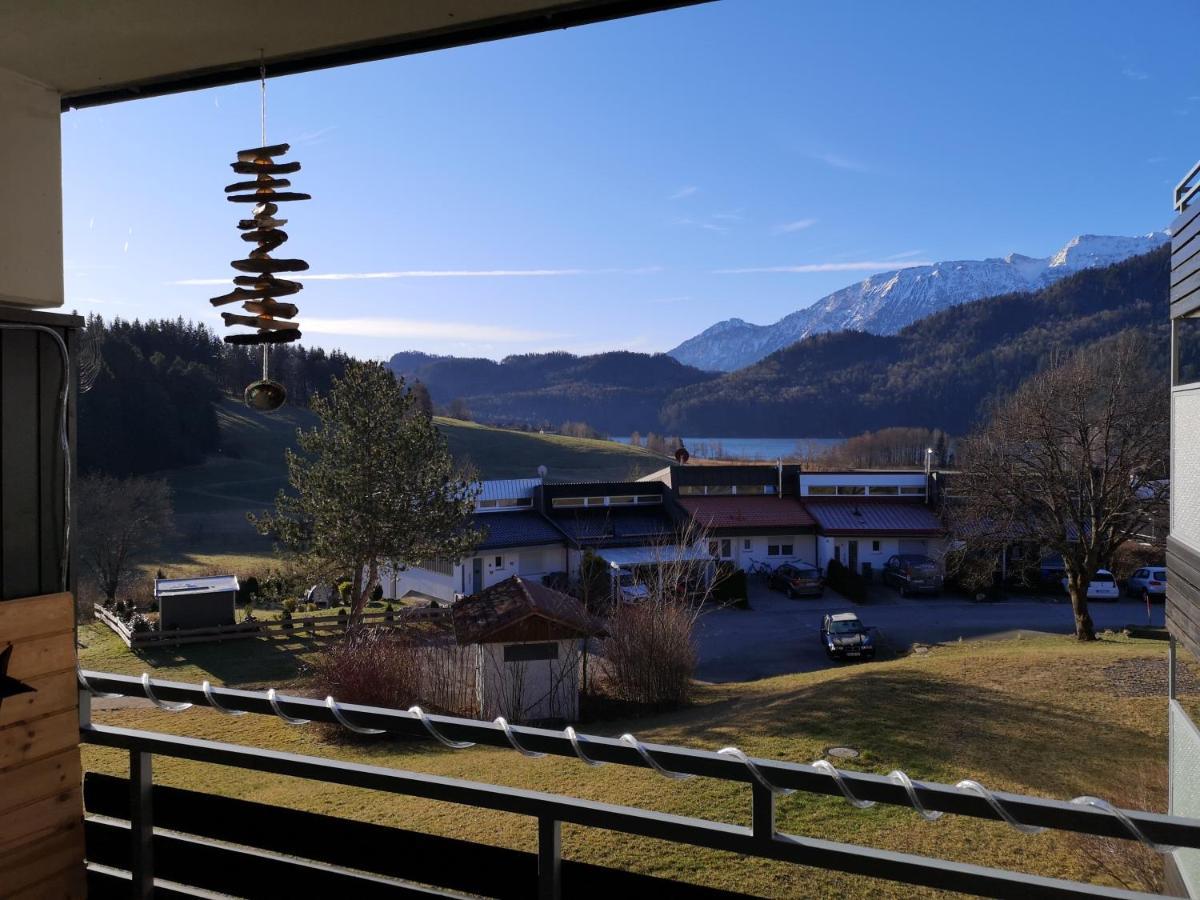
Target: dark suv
912 573
843 635
797 580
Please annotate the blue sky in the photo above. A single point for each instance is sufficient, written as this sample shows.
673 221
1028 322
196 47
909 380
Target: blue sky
591 189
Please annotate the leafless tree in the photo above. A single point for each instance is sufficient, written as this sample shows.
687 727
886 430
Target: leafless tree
120 519
1074 460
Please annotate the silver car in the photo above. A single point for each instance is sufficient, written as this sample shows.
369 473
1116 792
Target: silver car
1148 582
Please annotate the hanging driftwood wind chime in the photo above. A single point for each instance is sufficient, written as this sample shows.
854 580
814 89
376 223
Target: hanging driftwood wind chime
259 289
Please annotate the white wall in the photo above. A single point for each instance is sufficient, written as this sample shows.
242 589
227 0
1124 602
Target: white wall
529 690
803 549
397 584
31 264
839 547
1185 466
908 479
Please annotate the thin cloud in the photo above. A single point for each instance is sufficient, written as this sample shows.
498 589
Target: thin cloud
836 161
715 222
1134 74
443 273
790 227
907 254
859 266
424 329
685 191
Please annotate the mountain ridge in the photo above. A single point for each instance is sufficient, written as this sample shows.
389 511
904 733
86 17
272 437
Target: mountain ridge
888 301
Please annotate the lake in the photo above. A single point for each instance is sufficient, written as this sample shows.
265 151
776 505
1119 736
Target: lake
752 448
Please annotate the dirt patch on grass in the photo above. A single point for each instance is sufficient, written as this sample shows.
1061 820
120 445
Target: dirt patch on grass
1142 677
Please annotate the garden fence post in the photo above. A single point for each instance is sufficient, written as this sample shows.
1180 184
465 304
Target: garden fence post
762 815
141 825
549 859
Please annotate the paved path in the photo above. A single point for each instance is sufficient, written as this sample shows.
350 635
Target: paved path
777 636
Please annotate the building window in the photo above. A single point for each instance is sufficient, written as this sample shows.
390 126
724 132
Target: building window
772 549
712 548
1185 334
821 490
559 502
878 490
648 498
874 546
746 544
726 548
625 500
918 489
851 490
720 490
487 504
785 550
530 652
596 501
499 563
690 490
750 490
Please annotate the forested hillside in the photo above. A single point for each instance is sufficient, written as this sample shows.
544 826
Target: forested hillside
938 372
149 390
616 392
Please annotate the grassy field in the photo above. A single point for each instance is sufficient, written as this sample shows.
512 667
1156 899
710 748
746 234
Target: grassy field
212 499
1043 716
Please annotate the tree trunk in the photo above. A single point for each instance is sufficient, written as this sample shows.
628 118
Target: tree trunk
1085 630
357 598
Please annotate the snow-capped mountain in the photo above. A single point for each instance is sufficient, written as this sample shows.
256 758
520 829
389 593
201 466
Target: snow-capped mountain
885 303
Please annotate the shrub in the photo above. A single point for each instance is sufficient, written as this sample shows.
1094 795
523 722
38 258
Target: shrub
648 654
595 583
379 667
730 586
377 594
289 606
139 624
247 590
557 581
849 584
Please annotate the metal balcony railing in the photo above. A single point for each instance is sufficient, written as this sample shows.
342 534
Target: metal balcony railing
768 779
1185 191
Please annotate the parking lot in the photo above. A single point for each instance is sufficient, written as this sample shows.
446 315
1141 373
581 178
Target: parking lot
777 636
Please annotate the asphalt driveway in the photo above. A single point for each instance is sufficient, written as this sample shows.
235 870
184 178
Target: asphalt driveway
777 636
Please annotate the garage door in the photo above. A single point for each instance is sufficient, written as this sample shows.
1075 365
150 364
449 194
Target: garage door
919 547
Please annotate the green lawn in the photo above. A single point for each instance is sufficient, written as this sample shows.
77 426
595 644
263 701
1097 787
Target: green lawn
1038 716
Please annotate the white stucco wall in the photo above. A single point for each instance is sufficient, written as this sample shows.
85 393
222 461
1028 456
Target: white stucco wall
1185 466
529 690
803 549
31 266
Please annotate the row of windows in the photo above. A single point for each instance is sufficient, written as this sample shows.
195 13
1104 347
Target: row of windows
725 490
865 490
724 548
506 503
621 500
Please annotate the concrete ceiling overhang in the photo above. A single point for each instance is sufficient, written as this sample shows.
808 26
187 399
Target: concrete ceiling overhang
103 52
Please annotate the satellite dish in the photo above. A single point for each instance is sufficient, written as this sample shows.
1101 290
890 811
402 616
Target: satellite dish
542 470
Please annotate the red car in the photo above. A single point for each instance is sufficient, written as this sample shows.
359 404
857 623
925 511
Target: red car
797 580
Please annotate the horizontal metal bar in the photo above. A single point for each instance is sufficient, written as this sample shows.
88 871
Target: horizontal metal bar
1056 814
1179 188
836 856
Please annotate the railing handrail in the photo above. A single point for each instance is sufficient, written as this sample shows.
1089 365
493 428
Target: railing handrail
778 775
1184 193
552 809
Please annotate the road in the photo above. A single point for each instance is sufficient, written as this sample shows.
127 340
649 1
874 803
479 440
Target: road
777 636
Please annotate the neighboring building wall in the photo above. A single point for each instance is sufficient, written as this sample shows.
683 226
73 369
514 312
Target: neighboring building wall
749 549
900 480
838 547
195 610
527 682
442 585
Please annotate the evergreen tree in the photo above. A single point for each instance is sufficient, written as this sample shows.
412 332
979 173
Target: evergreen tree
374 483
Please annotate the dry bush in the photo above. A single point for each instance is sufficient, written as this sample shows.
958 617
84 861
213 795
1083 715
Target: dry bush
1129 863
648 655
388 668
1131 556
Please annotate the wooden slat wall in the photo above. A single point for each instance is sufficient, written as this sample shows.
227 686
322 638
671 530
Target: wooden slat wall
1185 262
41 810
31 464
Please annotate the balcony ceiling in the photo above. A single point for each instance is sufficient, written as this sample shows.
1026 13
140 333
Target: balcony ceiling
95 53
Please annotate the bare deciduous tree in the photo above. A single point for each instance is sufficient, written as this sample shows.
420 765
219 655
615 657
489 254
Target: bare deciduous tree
119 520
1075 460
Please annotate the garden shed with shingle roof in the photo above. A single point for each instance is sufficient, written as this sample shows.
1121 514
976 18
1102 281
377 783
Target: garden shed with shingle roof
530 641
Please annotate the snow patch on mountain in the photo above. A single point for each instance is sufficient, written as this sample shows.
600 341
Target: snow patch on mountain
887 302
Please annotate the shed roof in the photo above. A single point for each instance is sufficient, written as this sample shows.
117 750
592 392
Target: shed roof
854 516
495 609
725 513
180 587
508 488
515 529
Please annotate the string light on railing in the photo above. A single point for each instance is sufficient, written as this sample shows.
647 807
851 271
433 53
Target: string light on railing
502 724
337 714
212 701
576 740
652 762
273 699
161 704
420 716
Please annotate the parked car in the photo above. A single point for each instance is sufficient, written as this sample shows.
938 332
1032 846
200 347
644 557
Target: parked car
844 636
1103 586
912 573
797 580
631 589
1149 583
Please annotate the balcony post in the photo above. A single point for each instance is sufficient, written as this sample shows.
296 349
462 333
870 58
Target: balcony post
549 859
141 826
762 815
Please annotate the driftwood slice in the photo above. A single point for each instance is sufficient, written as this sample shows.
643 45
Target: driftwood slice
264 209
271 308
263 152
260 184
266 168
260 222
252 296
268 284
263 234
265 322
267 245
269 265
269 199
264 337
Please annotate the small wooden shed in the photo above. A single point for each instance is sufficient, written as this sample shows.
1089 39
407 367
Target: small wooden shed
196 602
530 642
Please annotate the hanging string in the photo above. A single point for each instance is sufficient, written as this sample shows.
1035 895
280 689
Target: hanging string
262 91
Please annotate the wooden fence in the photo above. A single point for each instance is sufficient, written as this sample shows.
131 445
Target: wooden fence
312 626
